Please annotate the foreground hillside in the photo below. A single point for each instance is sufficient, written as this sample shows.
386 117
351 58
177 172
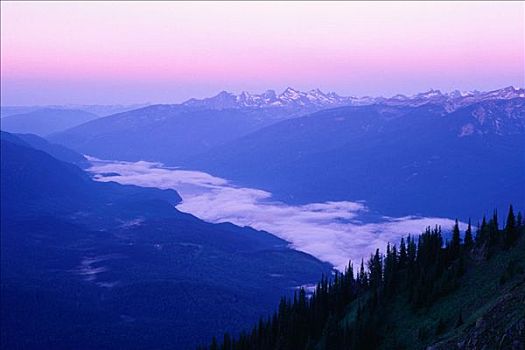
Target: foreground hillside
422 295
90 265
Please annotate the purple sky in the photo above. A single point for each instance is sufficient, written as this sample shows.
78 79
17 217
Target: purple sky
133 52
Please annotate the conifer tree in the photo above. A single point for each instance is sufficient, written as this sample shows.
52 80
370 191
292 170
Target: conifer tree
482 234
468 241
375 267
395 257
363 278
214 345
495 219
226 343
402 254
456 241
411 250
510 229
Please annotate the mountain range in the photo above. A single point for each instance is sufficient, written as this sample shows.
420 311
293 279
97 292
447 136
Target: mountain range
393 153
88 264
99 110
396 158
291 98
45 121
168 133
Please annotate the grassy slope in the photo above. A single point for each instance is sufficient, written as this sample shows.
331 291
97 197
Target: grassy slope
479 294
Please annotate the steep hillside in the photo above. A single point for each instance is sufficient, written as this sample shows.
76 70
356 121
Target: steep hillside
91 265
465 294
57 151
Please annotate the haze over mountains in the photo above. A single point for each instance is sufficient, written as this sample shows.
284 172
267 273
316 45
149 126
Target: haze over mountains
45 121
99 110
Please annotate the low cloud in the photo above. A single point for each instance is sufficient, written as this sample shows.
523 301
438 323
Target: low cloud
331 231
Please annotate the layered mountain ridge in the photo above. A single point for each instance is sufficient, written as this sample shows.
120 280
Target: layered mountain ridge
394 157
292 98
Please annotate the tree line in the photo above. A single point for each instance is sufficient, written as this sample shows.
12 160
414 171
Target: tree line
425 267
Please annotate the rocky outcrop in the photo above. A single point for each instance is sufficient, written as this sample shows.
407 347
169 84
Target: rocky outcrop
501 327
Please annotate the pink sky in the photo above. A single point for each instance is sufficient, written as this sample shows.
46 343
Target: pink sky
127 52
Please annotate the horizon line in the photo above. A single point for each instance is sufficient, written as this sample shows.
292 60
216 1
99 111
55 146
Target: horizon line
149 103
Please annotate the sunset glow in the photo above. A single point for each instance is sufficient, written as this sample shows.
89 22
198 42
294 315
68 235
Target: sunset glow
125 52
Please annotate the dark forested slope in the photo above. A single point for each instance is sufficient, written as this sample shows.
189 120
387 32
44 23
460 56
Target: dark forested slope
465 293
89 265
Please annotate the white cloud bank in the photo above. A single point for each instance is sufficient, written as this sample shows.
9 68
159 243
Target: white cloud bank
330 231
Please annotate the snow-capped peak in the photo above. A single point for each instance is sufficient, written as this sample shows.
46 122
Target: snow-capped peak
292 94
459 94
316 99
428 94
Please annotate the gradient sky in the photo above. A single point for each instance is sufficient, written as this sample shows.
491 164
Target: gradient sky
133 52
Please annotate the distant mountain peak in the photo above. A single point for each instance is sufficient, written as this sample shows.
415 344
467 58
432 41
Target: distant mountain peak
429 94
290 90
291 93
316 99
510 91
270 95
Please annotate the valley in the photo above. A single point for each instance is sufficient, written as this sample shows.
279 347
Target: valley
137 224
334 232
262 175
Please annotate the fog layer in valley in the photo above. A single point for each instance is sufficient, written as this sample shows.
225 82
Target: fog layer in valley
331 231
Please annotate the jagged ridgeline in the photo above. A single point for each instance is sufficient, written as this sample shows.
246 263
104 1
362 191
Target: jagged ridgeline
467 292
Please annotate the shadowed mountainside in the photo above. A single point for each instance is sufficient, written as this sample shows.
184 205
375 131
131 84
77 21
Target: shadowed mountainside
99 265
